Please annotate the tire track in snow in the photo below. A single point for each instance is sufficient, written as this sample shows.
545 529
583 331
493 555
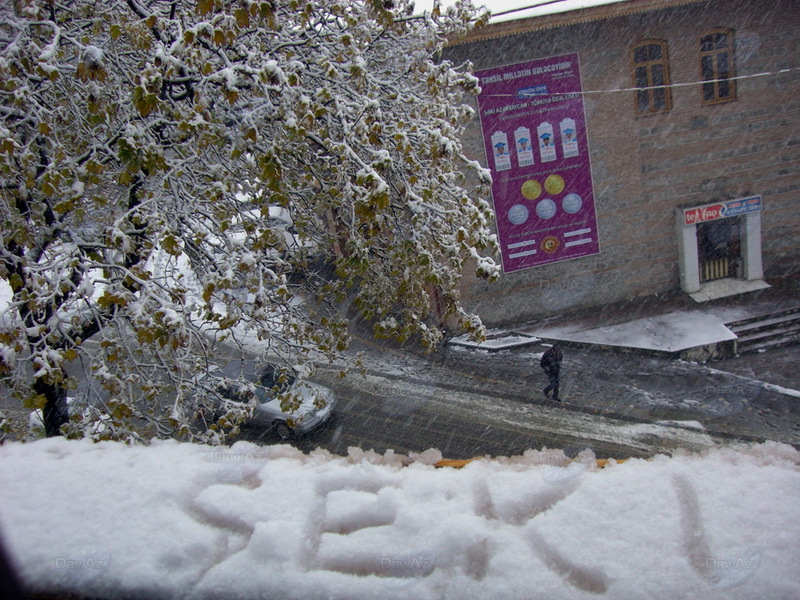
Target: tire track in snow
640 438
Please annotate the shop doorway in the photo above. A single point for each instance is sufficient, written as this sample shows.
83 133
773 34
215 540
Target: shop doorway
719 249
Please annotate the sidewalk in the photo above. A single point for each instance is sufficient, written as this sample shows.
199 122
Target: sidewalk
666 324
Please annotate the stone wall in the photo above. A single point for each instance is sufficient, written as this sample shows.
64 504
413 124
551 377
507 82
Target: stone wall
645 167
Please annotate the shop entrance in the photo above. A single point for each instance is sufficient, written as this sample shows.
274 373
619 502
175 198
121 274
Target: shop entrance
719 249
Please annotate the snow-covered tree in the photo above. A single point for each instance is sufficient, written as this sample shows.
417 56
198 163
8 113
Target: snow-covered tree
146 148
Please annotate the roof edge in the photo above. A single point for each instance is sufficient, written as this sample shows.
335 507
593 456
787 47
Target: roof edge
563 19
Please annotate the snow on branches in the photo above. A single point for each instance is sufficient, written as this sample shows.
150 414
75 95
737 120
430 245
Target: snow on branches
178 175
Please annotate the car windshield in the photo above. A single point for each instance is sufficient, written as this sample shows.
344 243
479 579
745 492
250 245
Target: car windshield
270 379
267 380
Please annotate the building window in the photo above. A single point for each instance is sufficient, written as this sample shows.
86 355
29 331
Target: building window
651 77
717 66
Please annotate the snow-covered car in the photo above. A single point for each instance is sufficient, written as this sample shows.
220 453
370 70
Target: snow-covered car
269 384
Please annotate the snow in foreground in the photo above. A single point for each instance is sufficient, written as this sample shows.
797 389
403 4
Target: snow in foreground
186 521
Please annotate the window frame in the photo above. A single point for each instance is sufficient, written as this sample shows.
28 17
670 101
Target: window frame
651 88
715 80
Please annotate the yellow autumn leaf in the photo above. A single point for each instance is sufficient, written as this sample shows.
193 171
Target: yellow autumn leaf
205 6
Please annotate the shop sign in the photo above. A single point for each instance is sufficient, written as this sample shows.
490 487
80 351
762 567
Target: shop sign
721 210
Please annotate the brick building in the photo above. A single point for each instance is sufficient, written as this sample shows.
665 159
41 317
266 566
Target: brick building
692 118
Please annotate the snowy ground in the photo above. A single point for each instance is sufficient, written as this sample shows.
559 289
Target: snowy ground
671 331
185 521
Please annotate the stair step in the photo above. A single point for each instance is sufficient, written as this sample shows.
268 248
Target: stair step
761 333
779 342
769 323
769 333
778 315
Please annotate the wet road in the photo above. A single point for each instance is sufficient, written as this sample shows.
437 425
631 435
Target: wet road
468 403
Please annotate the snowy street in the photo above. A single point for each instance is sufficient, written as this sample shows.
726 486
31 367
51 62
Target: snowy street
473 403
469 403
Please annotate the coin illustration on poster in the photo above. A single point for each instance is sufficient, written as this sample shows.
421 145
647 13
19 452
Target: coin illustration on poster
550 244
554 184
531 189
572 203
518 214
546 209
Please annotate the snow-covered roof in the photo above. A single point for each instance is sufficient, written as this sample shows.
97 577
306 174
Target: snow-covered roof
535 18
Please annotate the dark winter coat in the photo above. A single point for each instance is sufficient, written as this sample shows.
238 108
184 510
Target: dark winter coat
551 360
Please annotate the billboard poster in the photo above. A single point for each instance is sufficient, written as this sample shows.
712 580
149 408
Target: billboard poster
534 132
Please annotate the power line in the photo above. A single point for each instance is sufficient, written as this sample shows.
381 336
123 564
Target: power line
660 87
521 8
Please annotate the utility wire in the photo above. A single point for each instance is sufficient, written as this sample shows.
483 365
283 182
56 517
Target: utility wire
521 8
656 87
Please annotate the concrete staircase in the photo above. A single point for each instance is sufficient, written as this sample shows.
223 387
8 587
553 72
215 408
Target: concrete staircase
774 330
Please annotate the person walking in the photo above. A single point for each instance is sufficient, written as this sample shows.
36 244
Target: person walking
551 363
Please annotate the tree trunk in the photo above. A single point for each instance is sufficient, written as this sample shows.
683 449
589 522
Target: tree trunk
55 413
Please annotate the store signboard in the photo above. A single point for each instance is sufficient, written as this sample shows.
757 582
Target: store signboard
534 130
721 210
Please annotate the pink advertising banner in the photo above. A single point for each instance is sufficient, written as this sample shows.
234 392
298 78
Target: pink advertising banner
534 131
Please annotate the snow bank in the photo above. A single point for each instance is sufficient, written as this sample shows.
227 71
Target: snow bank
670 332
186 521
